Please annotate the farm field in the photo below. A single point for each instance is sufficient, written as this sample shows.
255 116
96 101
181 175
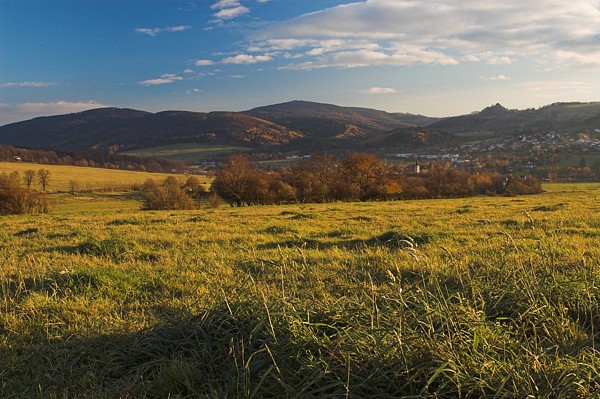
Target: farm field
186 151
472 297
62 176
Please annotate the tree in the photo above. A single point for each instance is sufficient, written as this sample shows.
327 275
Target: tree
28 177
43 178
234 181
194 187
364 177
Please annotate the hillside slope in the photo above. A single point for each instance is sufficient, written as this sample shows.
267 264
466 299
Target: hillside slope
325 121
570 117
112 129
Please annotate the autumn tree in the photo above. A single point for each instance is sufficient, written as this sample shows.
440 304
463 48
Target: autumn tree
234 181
364 177
314 179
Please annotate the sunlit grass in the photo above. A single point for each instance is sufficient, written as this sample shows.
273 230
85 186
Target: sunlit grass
472 297
62 177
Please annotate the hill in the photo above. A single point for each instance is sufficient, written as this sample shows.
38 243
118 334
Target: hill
326 121
292 126
113 129
569 117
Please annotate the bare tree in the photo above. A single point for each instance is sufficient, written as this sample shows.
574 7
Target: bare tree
29 177
43 178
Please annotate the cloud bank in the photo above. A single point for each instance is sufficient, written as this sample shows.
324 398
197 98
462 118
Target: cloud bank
553 34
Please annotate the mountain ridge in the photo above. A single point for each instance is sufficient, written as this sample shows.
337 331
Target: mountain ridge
291 126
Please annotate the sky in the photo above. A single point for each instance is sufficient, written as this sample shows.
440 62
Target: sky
429 57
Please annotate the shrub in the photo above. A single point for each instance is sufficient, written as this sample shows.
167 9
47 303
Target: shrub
16 200
167 196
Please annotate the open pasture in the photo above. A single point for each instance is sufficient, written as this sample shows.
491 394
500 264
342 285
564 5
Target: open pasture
64 178
186 151
474 297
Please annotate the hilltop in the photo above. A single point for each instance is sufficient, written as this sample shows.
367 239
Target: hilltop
292 126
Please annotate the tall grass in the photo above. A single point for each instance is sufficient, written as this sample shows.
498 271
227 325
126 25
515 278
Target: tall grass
382 300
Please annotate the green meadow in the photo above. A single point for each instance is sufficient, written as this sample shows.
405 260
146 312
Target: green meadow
186 151
495 297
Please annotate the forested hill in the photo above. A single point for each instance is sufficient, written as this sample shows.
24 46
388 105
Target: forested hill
112 130
292 126
331 121
568 117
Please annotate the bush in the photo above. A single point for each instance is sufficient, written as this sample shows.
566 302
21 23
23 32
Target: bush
17 200
167 196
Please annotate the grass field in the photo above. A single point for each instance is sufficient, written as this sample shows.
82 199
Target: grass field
85 178
478 297
186 151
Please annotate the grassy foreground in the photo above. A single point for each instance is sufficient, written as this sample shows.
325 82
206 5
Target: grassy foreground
482 297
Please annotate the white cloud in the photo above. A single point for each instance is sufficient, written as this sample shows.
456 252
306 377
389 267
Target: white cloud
246 59
27 84
237 76
551 33
164 79
10 113
230 13
364 58
194 91
379 90
188 71
155 31
225 4
204 62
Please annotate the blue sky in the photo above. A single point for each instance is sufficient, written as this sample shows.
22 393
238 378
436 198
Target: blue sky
438 57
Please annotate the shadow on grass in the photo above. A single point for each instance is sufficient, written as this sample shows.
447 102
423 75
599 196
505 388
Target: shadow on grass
231 351
390 239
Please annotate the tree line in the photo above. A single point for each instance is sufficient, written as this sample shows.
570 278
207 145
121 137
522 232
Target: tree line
359 177
90 159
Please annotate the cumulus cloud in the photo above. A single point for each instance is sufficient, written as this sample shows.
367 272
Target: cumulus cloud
163 79
155 31
407 32
10 113
228 9
27 84
379 90
246 59
230 13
